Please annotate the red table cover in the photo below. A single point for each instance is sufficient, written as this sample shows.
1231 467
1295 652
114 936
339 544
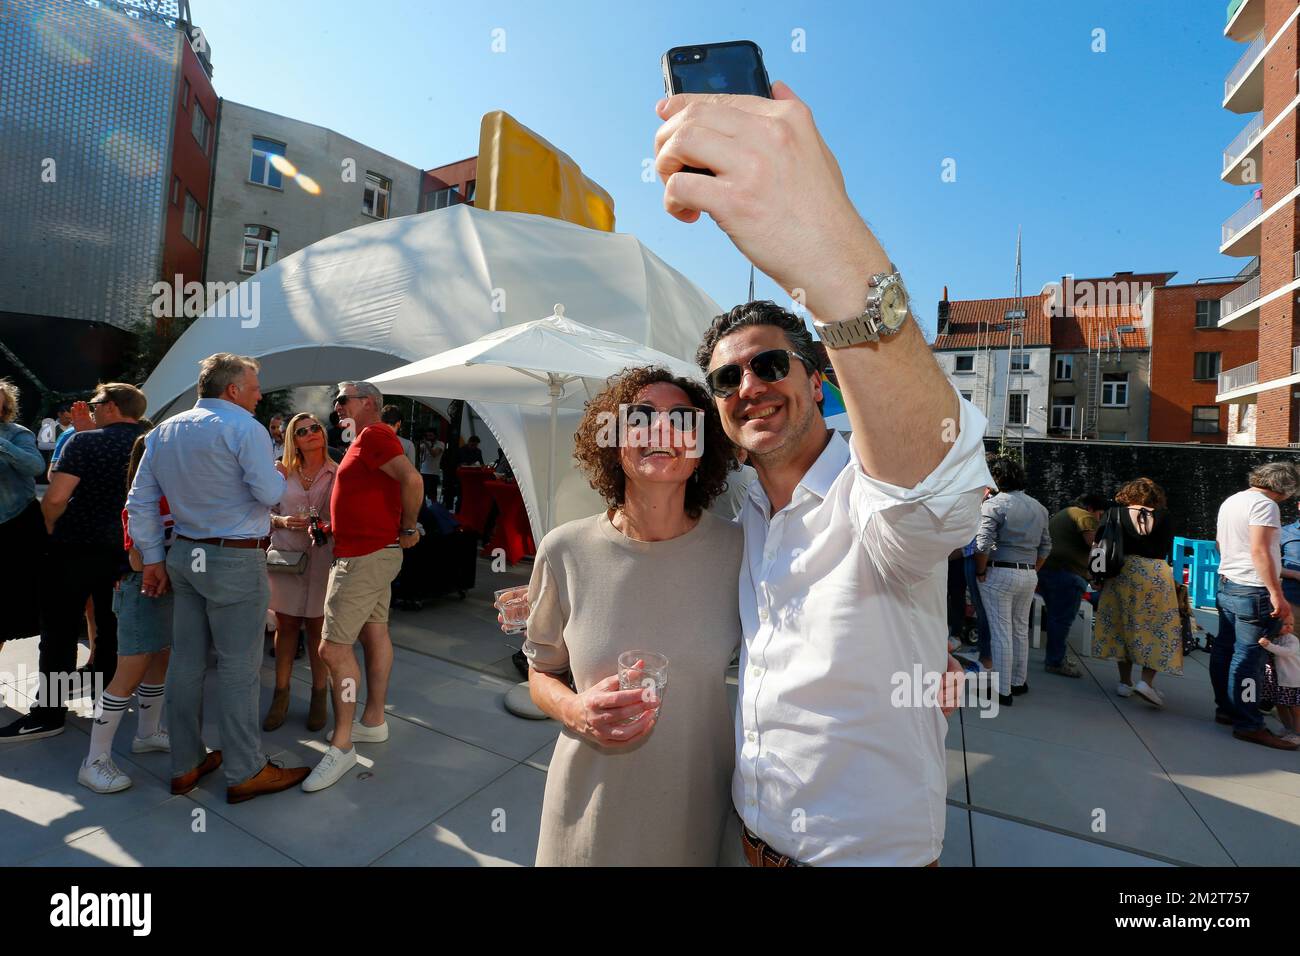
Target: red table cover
512 531
475 504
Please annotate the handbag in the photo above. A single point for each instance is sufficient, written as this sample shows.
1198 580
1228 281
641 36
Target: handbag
1107 556
286 562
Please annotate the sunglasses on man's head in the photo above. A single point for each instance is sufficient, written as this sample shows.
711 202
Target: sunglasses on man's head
770 366
306 430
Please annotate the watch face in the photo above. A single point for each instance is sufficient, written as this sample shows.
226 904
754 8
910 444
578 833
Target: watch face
893 306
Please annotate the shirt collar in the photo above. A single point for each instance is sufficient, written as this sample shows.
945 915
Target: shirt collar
817 479
221 405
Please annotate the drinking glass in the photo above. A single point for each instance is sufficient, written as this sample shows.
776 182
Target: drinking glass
643 669
513 605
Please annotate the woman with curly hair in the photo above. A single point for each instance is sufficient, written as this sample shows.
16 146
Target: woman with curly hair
1137 615
632 783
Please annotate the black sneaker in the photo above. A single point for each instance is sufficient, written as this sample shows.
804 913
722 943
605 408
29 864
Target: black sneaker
31 727
1018 689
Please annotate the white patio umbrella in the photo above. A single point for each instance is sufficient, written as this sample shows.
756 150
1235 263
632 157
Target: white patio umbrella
552 362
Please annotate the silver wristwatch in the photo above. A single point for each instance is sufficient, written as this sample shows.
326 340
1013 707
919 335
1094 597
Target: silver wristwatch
885 312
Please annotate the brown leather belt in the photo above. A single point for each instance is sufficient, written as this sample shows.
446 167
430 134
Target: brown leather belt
262 543
758 853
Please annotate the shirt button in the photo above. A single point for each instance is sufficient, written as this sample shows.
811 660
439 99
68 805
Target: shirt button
750 802
751 737
756 672
762 614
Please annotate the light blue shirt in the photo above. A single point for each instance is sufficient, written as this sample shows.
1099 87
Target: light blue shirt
215 466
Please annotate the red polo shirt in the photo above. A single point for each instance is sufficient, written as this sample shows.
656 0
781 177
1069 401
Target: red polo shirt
366 505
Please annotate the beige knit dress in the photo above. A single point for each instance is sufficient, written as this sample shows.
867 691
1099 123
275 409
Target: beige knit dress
596 593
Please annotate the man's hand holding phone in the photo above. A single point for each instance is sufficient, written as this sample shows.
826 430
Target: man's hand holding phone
777 192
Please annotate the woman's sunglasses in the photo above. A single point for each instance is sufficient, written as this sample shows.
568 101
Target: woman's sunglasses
306 430
683 418
770 366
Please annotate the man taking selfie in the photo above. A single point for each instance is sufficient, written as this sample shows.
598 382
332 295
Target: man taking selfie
842 584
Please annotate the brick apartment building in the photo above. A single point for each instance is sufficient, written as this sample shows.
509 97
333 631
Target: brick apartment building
1126 357
1264 159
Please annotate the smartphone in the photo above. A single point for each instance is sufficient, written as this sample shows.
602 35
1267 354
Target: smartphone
732 67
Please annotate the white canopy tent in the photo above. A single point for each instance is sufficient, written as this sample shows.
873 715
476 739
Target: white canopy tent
388 293
553 362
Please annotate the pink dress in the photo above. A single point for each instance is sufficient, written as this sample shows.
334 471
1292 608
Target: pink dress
303 595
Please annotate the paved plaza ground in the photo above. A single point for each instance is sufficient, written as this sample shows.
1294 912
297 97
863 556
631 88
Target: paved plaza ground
460 781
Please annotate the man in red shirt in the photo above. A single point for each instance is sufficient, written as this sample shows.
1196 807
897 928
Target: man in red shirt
374 507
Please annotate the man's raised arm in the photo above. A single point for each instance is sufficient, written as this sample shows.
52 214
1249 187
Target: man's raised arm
779 195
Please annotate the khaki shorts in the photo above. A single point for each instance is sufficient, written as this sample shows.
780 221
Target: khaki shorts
358 593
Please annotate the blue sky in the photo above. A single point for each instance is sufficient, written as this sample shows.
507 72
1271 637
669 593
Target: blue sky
1109 160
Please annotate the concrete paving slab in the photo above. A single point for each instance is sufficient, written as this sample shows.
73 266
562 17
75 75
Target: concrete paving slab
1257 827
956 838
1001 842
498 826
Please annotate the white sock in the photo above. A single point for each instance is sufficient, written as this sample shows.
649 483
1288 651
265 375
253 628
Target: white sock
149 700
104 726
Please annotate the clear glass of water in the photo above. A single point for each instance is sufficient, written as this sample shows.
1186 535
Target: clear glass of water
513 605
646 670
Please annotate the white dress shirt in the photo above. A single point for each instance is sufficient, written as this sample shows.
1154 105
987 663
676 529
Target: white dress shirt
839 591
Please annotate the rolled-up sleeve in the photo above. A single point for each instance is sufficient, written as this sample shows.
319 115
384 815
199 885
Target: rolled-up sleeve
544 645
992 515
909 531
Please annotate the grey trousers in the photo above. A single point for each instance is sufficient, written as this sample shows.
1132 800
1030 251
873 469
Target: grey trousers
221 600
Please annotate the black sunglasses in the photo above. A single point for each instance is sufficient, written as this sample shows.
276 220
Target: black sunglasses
684 418
306 430
343 399
102 401
770 366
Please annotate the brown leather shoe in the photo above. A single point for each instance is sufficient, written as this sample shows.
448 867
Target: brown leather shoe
270 779
1265 737
188 781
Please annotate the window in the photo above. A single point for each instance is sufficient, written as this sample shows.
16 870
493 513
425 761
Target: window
1019 362
374 201
1206 365
261 245
261 171
1205 419
965 363
200 126
967 395
1063 414
470 189
1064 370
193 225
185 103
441 198
1017 408
1207 313
1114 389
176 190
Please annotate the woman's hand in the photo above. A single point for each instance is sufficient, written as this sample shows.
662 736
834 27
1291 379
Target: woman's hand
292 522
599 713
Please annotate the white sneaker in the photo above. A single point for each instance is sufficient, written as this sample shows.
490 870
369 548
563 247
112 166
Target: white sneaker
364 734
1124 690
332 766
1149 694
1291 737
102 775
159 741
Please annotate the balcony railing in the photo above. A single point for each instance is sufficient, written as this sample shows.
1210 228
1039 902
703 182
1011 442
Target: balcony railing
1245 139
1295 360
1239 297
1242 218
1239 377
1296 271
1243 65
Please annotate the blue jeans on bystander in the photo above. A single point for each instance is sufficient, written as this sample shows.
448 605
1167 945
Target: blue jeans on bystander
1236 659
1062 591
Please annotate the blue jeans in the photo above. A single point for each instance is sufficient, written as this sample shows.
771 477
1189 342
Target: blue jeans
981 619
1236 659
1062 591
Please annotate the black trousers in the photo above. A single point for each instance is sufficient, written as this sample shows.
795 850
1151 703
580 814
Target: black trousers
72 574
430 487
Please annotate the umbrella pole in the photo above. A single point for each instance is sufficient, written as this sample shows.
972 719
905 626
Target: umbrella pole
550 472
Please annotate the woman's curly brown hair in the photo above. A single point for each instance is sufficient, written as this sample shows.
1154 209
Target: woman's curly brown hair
602 465
1141 491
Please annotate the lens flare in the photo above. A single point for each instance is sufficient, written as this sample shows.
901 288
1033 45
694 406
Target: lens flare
130 154
283 166
307 184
